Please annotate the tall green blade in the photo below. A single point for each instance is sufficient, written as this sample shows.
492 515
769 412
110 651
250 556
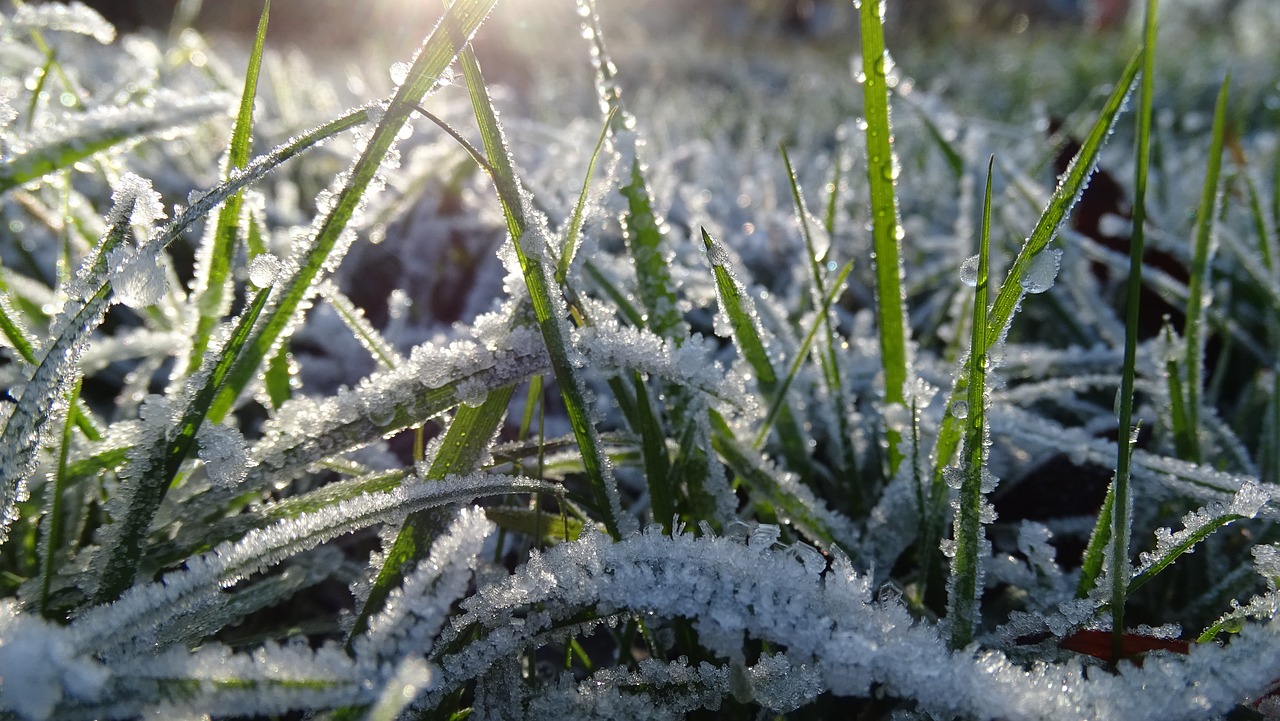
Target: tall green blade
214 269
1206 216
1121 517
886 227
530 246
969 539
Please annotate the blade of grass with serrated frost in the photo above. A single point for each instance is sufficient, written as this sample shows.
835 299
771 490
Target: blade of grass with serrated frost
1070 185
886 226
1122 515
1206 217
466 442
459 23
213 266
84 134
162 463
966 568
126 622
548 308
746 336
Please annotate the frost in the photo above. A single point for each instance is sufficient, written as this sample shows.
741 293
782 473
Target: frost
222 449
1041 271
39 666
138 281
74 17
399 72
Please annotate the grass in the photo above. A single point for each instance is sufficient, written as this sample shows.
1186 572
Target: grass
696 454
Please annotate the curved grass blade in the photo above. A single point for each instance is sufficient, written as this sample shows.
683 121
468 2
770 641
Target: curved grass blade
548 308
886 227
212 284
460 21
969 536
1064 197
1206 216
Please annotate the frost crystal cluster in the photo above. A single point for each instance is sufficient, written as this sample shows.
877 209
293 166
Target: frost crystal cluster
357 397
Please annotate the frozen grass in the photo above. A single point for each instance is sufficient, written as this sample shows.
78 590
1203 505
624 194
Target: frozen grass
674 446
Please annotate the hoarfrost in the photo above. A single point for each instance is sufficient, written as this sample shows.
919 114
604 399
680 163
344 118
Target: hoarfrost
74 17
222 450
1041 271
138 281
39 666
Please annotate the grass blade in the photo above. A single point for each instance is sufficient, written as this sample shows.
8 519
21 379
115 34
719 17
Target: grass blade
460 21
887 232
53 539
548 308
1206 217
465 443
570 245
969 536
214 267
1121 517
746 335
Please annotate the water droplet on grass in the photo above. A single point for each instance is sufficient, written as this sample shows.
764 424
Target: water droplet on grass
969 271
1042 271
960 409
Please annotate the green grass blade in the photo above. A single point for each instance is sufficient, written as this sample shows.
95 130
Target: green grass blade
213 272
1095 551
819 321
886 226
548 309
43 158
657 463
746 335
465 443
570 245
969 536
54 540
1206 216
1121 517
440 48
1180 422
1070 186
353 317
165 460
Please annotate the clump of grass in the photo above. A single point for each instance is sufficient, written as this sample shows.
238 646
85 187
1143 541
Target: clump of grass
658 473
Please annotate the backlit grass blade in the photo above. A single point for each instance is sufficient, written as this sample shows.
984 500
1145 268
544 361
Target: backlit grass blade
213 269
460 21
746 336
353 317
657 463
570 244
886 227
465 443
165 460
548 309
1206 217
969 536
1121 516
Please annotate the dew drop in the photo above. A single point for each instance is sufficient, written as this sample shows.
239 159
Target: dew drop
969 271
960 409
263 270
399 72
